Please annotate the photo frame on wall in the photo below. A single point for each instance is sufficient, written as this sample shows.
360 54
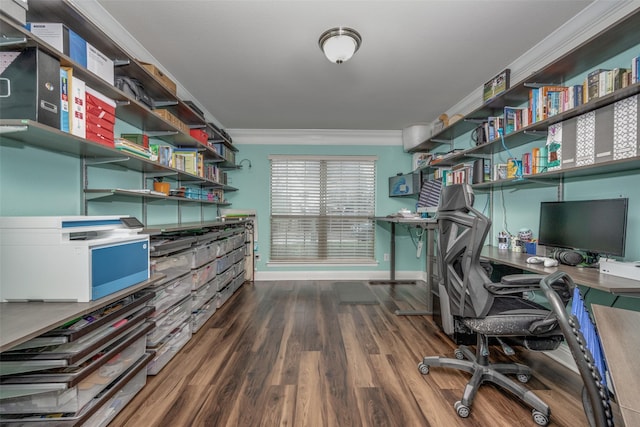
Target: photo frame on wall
496 86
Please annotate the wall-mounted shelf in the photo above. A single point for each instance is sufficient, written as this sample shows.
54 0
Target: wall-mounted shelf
619 38
101 193
555 176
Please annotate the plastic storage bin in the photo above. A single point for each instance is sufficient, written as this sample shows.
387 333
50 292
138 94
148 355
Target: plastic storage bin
169 294
168 321
170 347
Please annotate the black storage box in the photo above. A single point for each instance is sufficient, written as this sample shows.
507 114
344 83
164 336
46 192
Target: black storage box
30 86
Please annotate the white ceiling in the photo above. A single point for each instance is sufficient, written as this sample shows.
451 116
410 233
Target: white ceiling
257 64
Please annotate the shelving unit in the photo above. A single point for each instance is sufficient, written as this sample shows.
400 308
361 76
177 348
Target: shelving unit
620 37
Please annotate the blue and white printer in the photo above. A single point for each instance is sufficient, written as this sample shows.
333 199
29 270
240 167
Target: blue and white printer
70 258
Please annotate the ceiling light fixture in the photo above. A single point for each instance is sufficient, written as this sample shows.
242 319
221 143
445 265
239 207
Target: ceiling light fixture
339 44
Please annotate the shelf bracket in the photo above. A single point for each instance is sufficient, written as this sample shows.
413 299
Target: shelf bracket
106 160
441 141
197 126
121 62
538 85
12 41
535 132
474 120
155 133
169 103
150 175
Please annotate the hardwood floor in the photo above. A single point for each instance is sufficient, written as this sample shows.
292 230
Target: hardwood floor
288 354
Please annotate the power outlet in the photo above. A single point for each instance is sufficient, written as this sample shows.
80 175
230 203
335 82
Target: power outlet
257 257
387 257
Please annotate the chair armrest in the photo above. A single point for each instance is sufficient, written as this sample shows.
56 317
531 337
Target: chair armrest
519 283
515 284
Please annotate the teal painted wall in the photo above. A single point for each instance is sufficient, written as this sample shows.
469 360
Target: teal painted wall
254 194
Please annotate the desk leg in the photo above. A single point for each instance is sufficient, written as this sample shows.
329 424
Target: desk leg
429 270
392 264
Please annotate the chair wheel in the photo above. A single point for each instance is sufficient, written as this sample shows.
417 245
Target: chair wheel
458 354
424 369
523 378
540 418
463 410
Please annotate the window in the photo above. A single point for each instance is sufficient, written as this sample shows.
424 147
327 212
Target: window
322 209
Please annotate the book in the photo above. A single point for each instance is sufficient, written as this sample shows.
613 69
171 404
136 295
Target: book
500 171
64 100
593 84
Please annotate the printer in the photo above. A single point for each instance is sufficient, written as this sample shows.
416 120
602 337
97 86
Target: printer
70 258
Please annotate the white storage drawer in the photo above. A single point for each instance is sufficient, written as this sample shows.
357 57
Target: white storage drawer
204 253
170 320
169 294
174 265
68 390
203 294
202 275
170 347
204 313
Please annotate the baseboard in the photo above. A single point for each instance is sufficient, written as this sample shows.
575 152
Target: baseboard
336 275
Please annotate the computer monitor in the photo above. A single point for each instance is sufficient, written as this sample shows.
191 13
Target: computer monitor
594 226
404 185
429 198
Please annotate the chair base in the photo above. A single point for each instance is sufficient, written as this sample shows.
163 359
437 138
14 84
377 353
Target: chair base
481 370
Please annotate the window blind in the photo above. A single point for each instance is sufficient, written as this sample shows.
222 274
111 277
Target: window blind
322 209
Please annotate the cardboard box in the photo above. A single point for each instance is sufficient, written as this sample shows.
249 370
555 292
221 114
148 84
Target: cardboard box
30 86
99 64
63 39
162 78
179 124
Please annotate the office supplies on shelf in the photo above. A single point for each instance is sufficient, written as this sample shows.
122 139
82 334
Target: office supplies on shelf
70 258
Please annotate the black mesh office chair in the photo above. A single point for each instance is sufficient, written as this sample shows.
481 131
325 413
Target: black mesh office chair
490 310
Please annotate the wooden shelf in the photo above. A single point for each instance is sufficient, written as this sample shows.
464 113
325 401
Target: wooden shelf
21 321
101 193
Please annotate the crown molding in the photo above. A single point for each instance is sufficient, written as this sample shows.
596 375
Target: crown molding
316 137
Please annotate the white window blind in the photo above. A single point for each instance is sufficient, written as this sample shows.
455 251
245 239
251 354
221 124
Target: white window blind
322 209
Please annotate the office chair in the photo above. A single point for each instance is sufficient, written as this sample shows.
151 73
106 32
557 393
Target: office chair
595 394
490 310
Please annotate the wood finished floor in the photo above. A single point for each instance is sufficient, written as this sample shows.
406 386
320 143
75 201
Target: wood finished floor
288 354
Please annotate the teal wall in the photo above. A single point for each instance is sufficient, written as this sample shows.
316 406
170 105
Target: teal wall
254 194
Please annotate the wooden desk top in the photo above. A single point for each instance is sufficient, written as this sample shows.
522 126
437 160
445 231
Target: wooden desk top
618 330
590 277
21 321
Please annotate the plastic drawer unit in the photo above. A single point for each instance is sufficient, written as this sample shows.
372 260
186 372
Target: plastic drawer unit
202 295
204 313
203 254
169 294
168 321
202 275
170 347
68 390
173 265
99 411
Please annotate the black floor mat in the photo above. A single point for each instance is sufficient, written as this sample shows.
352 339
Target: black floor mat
354 293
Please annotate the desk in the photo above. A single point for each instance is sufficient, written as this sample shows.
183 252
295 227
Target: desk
427 224
618 330
590 277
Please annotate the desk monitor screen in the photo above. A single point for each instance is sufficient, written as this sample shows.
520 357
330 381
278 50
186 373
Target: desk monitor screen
429 196
404 185
594 226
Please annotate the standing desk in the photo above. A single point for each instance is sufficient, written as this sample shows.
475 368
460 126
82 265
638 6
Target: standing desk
427 224
590 277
